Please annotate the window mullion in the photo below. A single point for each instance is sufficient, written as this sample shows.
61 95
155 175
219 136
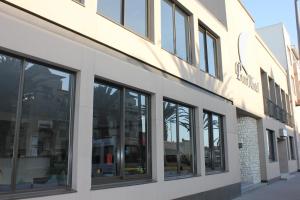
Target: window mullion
122 135
211 141
174 29
177 138
205 50
123 12
148 16
192 138
188 40
216 57
17 128
71 116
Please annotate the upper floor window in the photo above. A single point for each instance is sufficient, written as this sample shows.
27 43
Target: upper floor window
175 30
213 142
35 123
178 140
208 52
121 136
132 14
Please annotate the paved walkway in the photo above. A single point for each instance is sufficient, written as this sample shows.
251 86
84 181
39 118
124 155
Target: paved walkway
281 190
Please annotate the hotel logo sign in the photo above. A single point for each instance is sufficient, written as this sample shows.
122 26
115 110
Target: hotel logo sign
240 67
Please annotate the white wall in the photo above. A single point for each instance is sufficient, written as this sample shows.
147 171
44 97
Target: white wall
48 43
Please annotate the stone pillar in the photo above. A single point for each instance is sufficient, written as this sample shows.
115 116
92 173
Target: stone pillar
249 151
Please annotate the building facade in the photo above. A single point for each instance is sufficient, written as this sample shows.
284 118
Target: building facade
140 99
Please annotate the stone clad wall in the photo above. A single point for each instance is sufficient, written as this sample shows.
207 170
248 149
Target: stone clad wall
249 153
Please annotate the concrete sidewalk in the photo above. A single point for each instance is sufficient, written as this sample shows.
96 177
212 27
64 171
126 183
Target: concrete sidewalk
281 190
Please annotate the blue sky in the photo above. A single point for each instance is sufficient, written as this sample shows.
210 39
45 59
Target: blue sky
267 12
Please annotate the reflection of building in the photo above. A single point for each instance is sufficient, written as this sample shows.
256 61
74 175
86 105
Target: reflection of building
43 138
250 87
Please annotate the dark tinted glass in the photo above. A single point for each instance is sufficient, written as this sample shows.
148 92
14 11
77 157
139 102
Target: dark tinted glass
181 34
44 135
170 139
167 35
10 70
136 131
271 148
185 141
106 130
291 141
202 51
211 55
110 9
135 16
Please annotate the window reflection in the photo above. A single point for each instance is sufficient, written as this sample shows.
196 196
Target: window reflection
181 34
217 142
167 34
174 22
44 135
211 55
207 150
135 16
135 133
10 71
110 9
185 141
106 130
178 142
213 142
207 52
202 54
120 134
170 138
132 14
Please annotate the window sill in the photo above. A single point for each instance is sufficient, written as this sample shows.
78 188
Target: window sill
122 184
34 194
215 172
174 178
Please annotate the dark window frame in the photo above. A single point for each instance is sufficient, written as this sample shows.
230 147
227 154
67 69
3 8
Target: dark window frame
188 30
271 146
44 191
193 138
116 181
210 138
148 20
207 31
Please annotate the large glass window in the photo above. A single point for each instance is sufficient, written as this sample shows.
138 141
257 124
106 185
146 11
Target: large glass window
35 121
292 149
271 145
174 30
178 140
213 142
208 52
120 134
132 14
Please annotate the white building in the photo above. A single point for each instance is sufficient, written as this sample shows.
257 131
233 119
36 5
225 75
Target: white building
141 99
